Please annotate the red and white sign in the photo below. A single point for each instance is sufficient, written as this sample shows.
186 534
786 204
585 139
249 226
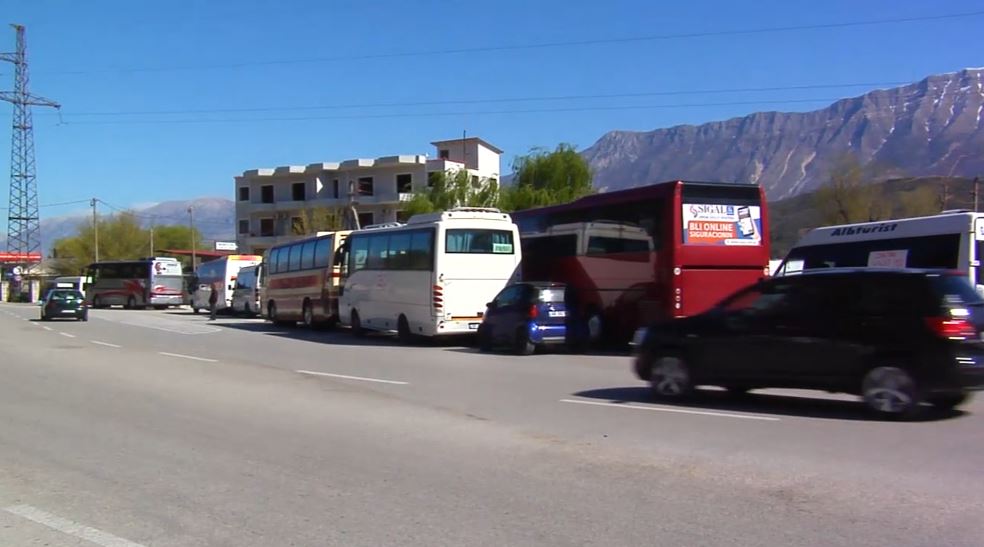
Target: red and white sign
887 259
19 258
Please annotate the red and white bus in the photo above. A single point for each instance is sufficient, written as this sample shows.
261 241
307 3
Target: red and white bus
302 281
635 256
135 283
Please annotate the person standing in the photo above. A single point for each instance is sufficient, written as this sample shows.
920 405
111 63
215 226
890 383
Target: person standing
213 300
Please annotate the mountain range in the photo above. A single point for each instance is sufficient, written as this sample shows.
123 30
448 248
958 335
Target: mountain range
214 218
932 127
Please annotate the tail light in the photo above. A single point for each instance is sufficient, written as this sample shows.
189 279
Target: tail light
438 296
534 312
953 329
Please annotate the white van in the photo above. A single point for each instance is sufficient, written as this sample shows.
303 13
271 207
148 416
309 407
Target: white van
950 240
220 273
246 295
431 276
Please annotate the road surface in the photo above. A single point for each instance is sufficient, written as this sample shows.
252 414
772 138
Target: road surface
150 428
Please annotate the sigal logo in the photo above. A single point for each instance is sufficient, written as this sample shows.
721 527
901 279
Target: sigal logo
698 210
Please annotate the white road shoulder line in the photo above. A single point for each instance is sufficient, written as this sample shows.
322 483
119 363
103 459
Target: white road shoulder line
346 377
107 344
674 410
69 527
192 357
67 335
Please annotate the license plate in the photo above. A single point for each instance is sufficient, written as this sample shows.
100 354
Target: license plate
473 326
557 314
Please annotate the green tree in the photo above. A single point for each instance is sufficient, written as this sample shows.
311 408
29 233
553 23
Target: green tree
176 237
447 190
848 196
121 237
320 219
547 178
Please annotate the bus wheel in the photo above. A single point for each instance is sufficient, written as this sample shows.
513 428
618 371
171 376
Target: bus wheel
97 302
307 315
595 326
196 310
357 324
131 303
403 333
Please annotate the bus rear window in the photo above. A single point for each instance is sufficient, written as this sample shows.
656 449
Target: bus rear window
479 241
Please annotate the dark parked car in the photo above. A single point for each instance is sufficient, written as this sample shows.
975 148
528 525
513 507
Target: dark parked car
64 303
896 337
524 316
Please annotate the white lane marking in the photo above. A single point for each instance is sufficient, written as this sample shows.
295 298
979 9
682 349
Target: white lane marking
69 527
67 335
107 344
346 377
195 329
46 327
192 357
674 410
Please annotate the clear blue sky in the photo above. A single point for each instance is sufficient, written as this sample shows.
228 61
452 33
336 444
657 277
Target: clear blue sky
104 57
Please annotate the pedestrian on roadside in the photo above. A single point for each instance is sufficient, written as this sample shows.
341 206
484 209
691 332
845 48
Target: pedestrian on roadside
213 300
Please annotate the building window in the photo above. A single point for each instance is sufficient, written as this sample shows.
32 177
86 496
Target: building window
244 193
365 186
444 154
494 181
297 226
432 177
266 227
404 183
266 193
298 191
402 216
334 185
365 219
243 226
476 182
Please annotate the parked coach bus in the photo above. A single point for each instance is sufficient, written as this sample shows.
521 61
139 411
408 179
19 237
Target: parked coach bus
953 241
135 283
220 273
634 256
429 277
301 281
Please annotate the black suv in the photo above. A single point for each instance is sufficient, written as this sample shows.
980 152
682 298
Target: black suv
896 337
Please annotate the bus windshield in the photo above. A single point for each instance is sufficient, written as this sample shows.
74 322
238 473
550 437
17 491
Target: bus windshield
477 241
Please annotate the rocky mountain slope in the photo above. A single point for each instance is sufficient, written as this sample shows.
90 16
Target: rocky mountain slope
932 127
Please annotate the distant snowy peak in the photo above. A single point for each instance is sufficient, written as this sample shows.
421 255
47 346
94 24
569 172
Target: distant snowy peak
931 127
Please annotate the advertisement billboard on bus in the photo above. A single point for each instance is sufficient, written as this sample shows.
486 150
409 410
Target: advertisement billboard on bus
717 224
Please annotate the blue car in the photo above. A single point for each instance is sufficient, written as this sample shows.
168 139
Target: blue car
525 316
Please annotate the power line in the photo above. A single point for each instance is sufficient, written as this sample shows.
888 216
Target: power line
447 113
540 98
536 45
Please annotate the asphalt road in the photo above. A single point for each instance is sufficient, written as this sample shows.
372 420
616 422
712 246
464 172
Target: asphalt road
161 428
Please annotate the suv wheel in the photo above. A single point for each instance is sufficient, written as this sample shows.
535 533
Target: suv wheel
890 392
524 346
669 378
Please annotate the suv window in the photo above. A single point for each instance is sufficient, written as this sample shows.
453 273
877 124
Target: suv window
551 295
955 290
510 296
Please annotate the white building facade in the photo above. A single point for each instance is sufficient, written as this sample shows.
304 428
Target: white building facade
272 203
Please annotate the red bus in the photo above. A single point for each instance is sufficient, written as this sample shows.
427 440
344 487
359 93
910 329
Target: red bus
302 281
635 256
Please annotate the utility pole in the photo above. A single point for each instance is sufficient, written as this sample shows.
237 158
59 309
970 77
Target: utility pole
23 222
191 223
977 185
95 229
152 220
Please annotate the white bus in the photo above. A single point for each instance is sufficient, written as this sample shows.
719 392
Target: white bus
220 273
135 283
950 240
429 277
